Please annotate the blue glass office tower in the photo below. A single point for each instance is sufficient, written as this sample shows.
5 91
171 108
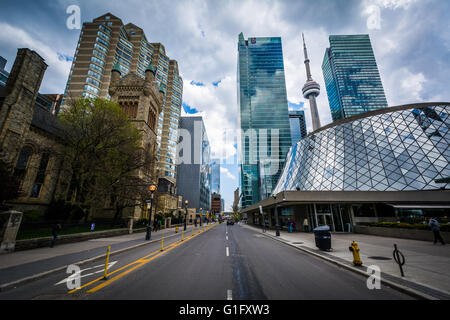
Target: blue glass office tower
351 76
215 176
298 125
264 121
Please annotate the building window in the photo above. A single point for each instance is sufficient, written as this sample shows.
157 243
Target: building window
22 162
40 176
151 119
130 108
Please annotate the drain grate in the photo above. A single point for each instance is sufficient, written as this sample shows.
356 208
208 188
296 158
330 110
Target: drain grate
379 258
297 242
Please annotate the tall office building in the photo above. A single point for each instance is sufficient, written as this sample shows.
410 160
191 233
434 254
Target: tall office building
215 176
194 171
3 73
264 120
351 77
106 42
298 125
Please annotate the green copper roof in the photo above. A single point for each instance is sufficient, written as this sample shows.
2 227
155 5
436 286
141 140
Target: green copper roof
116 67
151 68
161 88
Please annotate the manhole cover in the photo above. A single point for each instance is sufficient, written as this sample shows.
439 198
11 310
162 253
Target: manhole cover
380 258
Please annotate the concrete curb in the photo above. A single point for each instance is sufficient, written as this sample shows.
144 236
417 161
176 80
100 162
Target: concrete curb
399 287
11 285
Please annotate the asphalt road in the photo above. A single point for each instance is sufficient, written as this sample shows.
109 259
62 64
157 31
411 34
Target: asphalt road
225 262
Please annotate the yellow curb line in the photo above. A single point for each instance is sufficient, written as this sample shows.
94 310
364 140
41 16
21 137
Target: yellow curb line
142 261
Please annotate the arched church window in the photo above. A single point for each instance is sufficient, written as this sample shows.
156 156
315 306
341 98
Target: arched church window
40 177
22 162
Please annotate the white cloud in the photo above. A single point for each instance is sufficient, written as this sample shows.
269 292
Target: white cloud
394 4
227 173
404 86
58 69
217 106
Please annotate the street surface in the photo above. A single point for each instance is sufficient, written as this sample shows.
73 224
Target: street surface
224 262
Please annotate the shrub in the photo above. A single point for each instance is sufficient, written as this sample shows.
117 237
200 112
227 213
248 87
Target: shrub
76 214
32 216
141 222
418 226
58 210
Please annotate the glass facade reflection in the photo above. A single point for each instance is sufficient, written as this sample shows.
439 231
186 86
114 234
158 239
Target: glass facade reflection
215 176
194 169
265 131
351 77
394 149
298 125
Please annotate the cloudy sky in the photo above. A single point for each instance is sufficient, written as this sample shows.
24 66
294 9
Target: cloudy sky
411 40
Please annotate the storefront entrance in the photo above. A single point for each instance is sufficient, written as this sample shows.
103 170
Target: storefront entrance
336 216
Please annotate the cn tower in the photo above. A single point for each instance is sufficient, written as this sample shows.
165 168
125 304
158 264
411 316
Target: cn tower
311 90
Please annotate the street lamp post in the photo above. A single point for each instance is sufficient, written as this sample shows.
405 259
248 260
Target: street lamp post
277 226
185 214
148 235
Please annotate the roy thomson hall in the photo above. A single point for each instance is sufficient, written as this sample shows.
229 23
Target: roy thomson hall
389 165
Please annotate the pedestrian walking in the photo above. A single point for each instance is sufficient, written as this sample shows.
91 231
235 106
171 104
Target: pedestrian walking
294 226
155 225
56 228
159 224
436 228
289 224
305 225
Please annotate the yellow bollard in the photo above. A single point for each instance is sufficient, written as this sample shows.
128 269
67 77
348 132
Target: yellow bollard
355 250
162 242
192 230
176 229
106 263
181 235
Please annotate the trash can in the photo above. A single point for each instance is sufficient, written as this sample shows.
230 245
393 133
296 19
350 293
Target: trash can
323 237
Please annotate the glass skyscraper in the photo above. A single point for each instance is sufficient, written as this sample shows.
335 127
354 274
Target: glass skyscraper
264 121
215 176
298 125
351 76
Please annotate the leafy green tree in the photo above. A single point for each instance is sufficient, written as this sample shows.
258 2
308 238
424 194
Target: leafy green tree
104 152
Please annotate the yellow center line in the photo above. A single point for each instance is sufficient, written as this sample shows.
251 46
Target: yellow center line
140 262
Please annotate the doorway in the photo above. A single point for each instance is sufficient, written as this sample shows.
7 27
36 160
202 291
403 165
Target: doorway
335 216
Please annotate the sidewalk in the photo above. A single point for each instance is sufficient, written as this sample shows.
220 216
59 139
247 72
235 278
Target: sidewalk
29 263
426 268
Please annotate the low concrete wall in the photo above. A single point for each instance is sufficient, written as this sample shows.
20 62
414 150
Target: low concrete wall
424 235
69 238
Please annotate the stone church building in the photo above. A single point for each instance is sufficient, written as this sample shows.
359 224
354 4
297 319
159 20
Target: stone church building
29 131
